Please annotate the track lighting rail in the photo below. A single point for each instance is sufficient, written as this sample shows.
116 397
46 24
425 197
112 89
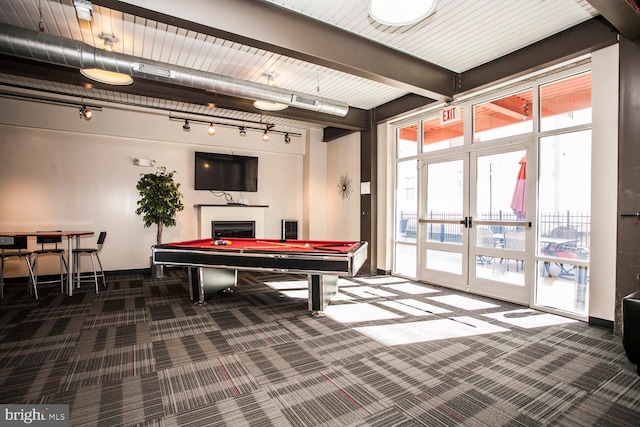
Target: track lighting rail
261 126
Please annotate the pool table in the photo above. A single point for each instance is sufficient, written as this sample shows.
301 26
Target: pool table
213 264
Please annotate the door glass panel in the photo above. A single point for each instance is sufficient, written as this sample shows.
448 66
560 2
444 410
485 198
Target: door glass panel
436 136
567 292
565 103
449 262
405 260
407 141
406 223
445 200
500 187
500 246
564 221
503 117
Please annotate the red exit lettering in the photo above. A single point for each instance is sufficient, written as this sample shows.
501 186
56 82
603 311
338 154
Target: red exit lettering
449 115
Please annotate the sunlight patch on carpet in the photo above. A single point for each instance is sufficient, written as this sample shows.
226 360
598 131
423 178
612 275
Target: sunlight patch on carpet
410 288
528 318
398 305
382 280
463 302
429 330
350 313
367 292
423 306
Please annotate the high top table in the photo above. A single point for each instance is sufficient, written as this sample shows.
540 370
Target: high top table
70 237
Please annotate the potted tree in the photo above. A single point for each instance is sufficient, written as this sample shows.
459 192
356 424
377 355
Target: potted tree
160 201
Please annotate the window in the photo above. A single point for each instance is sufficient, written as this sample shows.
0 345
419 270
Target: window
407 141
565 103
503 117
437 136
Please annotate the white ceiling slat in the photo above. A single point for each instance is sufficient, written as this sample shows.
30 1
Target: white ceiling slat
462 34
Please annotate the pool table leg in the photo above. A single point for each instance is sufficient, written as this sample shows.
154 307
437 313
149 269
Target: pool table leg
321 289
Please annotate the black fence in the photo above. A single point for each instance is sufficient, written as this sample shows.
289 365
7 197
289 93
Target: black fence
452 233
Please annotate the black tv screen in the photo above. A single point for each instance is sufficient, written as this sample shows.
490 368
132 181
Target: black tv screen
226 172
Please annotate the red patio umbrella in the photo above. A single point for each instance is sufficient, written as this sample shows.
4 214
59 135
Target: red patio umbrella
518 200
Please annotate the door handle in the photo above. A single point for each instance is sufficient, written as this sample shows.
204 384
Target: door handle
467 222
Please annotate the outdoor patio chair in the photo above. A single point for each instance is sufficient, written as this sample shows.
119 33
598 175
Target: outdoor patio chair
485 239
514 240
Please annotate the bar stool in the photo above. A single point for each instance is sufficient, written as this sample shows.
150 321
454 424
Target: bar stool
15 247
45 243
93 253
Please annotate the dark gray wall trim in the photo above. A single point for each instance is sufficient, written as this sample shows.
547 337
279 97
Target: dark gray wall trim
601 323
369 202
621 15
628 246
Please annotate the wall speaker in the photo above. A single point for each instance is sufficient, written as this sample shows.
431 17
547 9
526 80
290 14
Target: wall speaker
289 230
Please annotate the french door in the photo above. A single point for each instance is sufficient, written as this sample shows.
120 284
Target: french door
475 234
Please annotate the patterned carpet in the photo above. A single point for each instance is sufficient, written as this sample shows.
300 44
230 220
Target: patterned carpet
389 352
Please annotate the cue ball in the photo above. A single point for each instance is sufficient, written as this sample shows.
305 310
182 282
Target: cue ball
307 245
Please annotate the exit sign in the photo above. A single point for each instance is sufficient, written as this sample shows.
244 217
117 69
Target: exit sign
450 114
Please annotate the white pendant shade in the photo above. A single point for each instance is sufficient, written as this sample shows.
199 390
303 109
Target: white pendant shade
107 77
269 106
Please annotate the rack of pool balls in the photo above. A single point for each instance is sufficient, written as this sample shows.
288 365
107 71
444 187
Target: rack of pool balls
222 242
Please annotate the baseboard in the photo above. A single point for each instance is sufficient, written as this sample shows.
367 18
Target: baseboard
383 272
601 323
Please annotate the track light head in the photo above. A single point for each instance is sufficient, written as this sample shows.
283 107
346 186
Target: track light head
242 131
212 130
265 135
287 138
85 113
186 127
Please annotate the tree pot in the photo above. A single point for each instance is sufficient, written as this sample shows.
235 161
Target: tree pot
157 271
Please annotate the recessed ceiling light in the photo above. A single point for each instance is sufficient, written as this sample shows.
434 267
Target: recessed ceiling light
400 12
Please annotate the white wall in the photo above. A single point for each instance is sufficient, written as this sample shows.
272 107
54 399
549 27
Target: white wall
315 206
60 172
604 183
343 216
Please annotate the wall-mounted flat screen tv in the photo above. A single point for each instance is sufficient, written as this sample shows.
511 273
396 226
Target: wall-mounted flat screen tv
226 172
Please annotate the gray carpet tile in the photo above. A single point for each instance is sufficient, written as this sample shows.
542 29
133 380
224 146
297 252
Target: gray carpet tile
389 352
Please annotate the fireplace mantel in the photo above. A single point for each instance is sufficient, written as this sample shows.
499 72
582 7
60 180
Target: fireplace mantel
208 213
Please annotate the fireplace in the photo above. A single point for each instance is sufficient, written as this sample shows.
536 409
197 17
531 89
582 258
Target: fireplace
233 229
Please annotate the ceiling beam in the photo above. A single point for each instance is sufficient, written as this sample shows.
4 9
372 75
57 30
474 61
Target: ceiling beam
571 43
266 26
621 15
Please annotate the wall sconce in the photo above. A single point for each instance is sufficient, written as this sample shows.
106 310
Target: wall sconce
185 126
85 113
265 135
242 131
144 162
287 138
212 130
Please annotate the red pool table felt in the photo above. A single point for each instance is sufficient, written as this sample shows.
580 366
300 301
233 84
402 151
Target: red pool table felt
251 244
